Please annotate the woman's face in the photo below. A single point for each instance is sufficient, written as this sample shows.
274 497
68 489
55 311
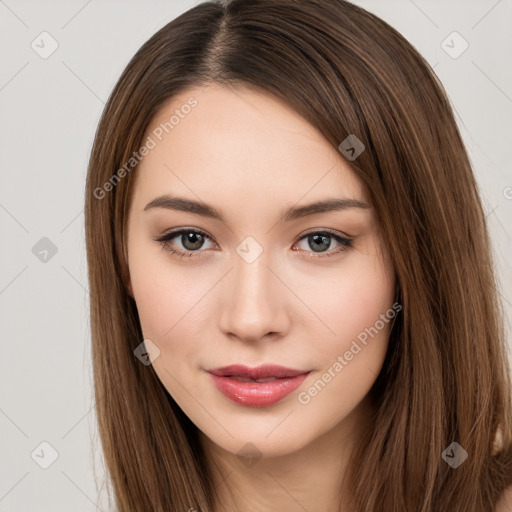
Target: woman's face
258 285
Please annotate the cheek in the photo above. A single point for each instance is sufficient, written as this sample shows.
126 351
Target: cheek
353 300
166 302
361 315
170 298
152 299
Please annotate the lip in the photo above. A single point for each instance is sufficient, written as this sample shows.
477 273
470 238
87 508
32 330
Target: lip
263 371
257 394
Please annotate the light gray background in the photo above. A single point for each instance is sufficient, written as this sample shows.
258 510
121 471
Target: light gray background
50 109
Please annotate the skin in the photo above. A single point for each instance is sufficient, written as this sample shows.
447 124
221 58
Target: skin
505 502
251 157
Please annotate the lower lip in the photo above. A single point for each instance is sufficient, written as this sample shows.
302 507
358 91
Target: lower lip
257 394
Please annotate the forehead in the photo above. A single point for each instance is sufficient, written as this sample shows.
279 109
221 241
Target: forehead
243 145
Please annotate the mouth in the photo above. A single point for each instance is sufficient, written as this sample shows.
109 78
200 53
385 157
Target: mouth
242 379
257 387
258 373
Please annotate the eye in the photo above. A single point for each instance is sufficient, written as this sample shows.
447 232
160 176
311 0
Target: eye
321 241
192 240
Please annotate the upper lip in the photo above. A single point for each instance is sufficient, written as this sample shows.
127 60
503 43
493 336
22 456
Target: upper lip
260 372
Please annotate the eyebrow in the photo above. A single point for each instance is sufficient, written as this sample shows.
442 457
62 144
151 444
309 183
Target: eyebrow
188 205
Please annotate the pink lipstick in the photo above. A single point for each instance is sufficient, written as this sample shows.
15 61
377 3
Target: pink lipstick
257 387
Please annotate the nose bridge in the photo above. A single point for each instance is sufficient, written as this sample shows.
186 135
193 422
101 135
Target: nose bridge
254 305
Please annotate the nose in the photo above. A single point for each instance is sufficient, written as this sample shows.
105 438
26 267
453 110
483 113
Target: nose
255 301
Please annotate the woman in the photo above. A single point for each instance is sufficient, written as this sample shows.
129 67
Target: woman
293 299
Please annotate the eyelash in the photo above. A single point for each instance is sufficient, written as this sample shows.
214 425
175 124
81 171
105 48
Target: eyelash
345 243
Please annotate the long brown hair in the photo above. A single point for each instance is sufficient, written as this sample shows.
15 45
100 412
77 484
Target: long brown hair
446 377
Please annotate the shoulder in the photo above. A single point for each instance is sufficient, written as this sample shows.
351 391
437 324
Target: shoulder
505 502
